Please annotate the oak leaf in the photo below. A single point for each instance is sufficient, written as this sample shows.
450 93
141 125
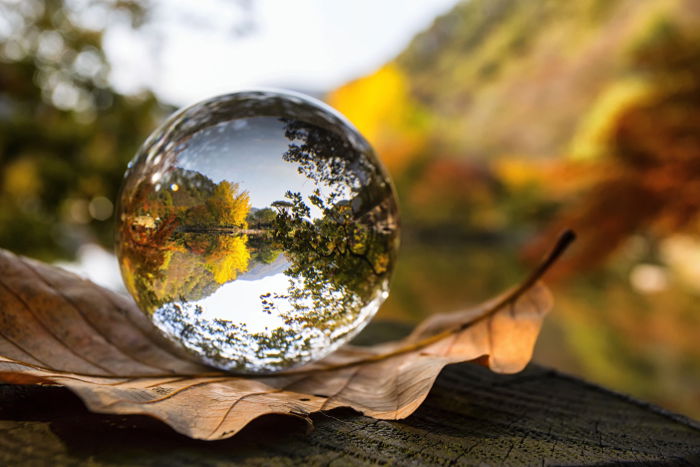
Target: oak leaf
56 328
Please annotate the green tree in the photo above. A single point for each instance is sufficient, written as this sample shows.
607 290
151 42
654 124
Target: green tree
341 259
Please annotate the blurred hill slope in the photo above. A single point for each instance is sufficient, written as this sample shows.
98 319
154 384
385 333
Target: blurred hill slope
516 111
508 120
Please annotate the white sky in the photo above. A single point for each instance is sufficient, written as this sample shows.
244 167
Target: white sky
247 152
312 45
240 301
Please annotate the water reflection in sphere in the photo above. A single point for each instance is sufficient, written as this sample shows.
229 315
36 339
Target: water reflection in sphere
257 230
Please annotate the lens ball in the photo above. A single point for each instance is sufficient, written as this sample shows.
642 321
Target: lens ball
257 231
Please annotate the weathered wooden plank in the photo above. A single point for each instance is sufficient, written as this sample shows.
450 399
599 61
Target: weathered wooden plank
472 416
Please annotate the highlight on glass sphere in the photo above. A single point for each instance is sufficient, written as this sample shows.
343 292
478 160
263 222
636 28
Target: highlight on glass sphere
257 230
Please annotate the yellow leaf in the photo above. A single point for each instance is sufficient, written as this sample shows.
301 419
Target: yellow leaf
382 109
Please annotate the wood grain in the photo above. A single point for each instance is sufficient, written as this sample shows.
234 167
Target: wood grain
471 417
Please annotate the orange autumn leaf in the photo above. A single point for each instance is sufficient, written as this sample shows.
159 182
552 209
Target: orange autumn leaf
60 329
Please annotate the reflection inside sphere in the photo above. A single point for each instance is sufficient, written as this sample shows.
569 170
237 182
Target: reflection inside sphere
257 230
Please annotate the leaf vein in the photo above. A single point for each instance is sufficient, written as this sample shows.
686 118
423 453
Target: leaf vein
89 322
48 330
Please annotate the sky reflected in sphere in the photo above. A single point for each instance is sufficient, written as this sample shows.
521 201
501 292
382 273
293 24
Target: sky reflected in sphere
257 230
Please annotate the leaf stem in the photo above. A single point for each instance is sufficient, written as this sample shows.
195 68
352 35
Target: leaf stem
565 239
563 242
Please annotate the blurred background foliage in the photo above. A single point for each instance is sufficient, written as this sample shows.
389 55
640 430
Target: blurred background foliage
502 123
65 133
507 121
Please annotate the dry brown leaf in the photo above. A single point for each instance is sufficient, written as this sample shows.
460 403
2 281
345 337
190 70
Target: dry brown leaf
56 328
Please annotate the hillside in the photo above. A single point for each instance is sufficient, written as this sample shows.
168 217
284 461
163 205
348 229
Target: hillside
508 120
544 99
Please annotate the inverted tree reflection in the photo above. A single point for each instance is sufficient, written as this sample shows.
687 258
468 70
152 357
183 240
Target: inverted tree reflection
186 240
336 243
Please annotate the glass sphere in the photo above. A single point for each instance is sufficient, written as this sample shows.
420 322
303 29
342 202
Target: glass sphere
257 230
